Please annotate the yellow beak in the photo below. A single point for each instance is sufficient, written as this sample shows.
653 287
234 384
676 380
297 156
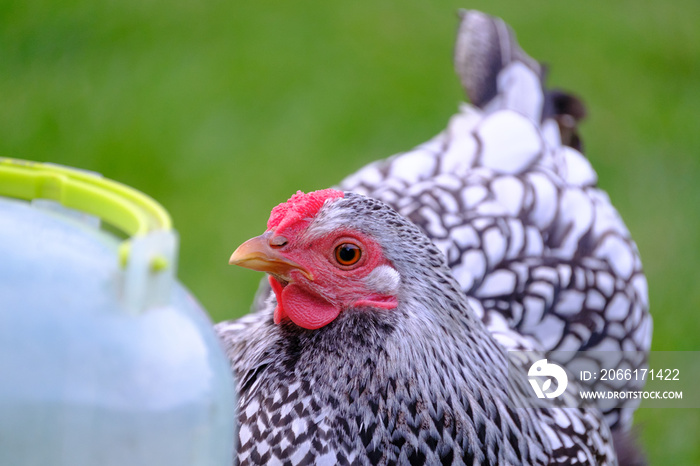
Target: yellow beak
259 254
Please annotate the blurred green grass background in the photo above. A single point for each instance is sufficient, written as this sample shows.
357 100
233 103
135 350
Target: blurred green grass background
220 110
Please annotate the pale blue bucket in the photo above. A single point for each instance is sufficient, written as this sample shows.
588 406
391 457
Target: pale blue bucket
105 358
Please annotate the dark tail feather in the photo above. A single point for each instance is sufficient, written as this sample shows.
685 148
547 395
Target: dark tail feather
485 46
567 110
497 74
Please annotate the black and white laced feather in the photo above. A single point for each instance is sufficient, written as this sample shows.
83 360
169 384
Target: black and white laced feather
515 207
542 259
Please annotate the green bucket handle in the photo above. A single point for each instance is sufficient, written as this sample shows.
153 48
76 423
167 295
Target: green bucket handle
125 208
152 241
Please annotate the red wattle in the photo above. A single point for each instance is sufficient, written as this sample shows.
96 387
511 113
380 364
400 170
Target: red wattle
307 310
279 314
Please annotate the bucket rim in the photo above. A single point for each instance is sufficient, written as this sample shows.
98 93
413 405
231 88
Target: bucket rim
123 207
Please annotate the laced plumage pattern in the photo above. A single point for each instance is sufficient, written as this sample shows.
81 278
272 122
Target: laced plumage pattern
524 252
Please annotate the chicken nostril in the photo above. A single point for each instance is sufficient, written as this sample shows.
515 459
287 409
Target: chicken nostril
278 241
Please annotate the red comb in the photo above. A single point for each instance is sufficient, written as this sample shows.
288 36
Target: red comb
300 207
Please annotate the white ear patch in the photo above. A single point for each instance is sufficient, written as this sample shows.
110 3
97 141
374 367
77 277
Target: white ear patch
384 280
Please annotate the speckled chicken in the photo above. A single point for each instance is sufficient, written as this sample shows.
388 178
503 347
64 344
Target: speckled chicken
540 254
369 353
506 195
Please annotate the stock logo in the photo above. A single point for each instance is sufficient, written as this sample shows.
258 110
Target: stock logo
541 369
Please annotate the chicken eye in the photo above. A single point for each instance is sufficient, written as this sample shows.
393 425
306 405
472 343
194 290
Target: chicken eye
347 254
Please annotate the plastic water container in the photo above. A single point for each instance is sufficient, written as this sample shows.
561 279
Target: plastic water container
105 359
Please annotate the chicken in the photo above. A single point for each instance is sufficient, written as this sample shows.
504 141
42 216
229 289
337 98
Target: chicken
368 352
533 242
